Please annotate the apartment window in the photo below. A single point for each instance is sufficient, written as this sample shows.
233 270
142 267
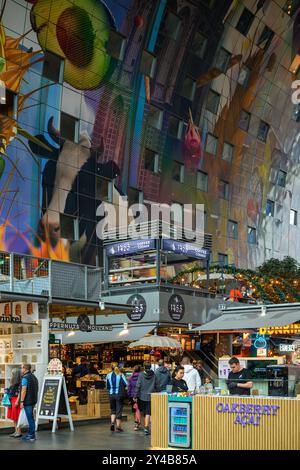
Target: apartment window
202 181
178 172
148 64
296 113
151 161
244 75
244 120
211 144
227 153
135 196
155 117
232 229
213 100
177 212
69 227
53 66
222 60
199 45
245 21
270 208
293 217
69 126
224 190
263 130
104 189
116 45
251 236
169 28
222 259
265 38
175 127
281 178
188 89
8 103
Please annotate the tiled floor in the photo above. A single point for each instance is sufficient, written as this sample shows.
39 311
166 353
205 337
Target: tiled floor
86 437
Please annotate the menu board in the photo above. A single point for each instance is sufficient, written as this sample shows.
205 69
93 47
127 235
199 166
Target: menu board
49 397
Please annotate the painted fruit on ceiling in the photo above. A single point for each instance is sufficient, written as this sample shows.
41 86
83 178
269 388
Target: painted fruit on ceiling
78 33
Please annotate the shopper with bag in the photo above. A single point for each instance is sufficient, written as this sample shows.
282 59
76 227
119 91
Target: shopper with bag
28 400
13 392
131 394
116 384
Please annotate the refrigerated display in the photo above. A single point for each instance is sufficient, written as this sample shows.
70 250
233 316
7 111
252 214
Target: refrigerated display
179 424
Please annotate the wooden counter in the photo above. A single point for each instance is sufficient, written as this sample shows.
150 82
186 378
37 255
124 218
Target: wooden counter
276 428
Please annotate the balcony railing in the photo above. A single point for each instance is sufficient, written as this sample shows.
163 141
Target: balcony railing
24 274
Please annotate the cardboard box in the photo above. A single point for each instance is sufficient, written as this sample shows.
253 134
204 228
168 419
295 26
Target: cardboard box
102 410
82 410
90 409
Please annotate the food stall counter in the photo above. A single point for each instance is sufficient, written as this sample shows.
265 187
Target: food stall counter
226 422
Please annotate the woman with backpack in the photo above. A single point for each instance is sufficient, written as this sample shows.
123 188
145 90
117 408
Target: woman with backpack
116 384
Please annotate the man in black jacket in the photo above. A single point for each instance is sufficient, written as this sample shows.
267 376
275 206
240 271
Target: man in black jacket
29 396
163 376
146 384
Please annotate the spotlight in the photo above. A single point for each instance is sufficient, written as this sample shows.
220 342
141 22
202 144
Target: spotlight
72 333
125 330
263 310
102 305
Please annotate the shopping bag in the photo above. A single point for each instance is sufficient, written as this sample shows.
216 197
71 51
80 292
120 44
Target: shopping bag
6 400
22 421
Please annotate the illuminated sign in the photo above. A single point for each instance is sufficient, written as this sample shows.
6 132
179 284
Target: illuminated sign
280 330
261 352
287 348
260 342
247 413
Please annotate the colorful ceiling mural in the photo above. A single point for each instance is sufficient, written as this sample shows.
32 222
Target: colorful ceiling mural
184 101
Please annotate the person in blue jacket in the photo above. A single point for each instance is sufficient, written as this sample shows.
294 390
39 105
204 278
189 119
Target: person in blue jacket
116 383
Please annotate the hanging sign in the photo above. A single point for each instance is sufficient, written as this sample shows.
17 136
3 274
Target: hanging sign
188 249
287 348
280 330
176 307
56 325
129 247
139 307
53 402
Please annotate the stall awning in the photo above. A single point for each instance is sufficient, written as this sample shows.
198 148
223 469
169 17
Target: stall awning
135 333
252 320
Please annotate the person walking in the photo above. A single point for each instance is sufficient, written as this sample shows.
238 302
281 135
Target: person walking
116 383
163 376
28 399
132 381
146 384
178 384
13 392
191 375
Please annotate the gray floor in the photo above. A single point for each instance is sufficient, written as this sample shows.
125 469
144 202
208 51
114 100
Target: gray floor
86 437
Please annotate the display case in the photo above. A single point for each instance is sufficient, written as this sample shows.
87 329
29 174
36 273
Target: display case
179 424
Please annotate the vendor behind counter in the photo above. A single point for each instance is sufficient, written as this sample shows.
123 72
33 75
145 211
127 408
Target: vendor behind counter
239 379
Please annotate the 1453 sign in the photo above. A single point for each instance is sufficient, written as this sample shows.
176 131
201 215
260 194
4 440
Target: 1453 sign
176 307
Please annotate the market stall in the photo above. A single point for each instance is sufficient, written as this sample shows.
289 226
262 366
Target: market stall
225 422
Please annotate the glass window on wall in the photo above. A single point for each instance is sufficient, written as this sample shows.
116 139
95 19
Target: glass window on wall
244 120
222 259
281 178
211 144
104 189
69 127
224 190
178 172
188 88
293 217
155 117
227 152
199 45
53 67
270 208
232 229
148 64
263 130
245 21
175 127
202 181
265 38
251 235
135 196
222 60
244 75
69 227
151 161
9 103
116 45
213 100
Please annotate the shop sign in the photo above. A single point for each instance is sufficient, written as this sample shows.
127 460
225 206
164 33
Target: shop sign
139 307
75 326
187 249
129 247
18 312
54 366
247 413
280 330
176 307
261 352
287 348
